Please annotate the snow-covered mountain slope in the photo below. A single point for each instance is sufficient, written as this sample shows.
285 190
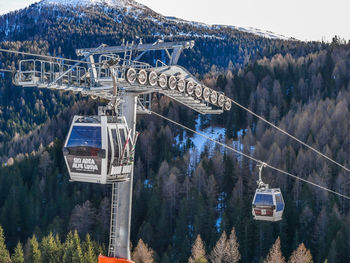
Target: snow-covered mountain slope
251 30
259 32
86 3
133 6
65 25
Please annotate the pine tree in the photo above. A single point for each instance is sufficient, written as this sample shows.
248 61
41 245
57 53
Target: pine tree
232 254
72 249
4 254
18 255
275 254
142 253
218 252
77 252
89 254
68 248
301 255
34 251
332 253
51 249
165 259
198 252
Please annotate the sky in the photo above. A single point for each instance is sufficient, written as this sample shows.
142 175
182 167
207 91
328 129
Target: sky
301 19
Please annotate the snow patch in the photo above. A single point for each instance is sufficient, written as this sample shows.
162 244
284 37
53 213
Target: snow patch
88 3
218 224
147 184
252 30
199 142
181 143
214 133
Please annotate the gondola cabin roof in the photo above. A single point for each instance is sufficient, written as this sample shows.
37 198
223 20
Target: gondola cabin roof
268 190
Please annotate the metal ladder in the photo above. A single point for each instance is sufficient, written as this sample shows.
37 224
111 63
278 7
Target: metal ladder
128 54
113 231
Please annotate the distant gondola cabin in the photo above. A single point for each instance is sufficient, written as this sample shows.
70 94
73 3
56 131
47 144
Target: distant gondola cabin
268 204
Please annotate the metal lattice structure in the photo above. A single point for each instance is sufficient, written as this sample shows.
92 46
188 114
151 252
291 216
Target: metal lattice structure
123 76
94 78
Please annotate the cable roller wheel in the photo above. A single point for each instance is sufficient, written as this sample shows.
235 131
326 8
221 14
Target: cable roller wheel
152 78
214 97
221 100
131 75
181 84
206 93
172 82
162 81
190 88
198 91
228 104
142 77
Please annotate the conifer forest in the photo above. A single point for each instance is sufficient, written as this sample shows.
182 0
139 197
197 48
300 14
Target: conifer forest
192 199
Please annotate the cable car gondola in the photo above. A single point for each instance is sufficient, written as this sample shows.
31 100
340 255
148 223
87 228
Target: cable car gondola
268 204
99 149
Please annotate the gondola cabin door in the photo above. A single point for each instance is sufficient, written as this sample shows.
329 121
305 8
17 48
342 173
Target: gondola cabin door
120 154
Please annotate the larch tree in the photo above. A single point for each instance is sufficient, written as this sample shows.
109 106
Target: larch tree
72 249
77 251
18 255
198 252
301 255
218 252
4 254
275 253
34 251
142 253
232 254
68 248
103 217
170 191
51 249
82 218
89 254
45 163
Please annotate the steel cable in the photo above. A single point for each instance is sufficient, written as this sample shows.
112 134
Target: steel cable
289 135
44 56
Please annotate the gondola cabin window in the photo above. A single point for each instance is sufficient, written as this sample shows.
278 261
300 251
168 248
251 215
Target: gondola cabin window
263 200
279 203
85 141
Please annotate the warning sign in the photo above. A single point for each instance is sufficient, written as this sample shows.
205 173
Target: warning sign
91 165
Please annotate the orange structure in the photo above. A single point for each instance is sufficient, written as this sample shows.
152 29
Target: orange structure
103 259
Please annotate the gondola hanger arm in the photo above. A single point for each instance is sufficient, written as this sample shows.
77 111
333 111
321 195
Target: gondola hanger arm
261 184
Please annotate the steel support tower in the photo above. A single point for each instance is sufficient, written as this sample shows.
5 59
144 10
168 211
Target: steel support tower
121 205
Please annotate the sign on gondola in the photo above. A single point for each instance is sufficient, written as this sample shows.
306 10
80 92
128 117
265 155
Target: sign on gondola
84 165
